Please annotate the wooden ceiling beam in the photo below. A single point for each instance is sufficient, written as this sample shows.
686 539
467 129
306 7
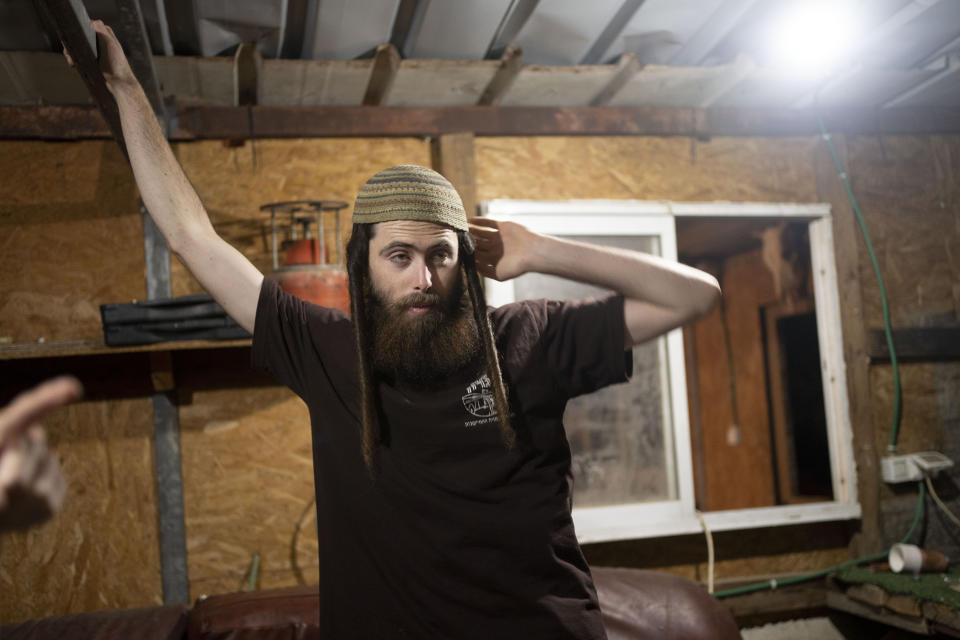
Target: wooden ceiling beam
628 67
73 27
406 24
712 32
132 33
611 32
301 17
951 65
206 122
502 80
183 27
511 24
384 71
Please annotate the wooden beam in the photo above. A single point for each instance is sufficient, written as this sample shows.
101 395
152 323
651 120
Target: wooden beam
842 602
502 80
714 29
784 603
452 155
298 21
132 32
951 65
406 24
847 251
512 22
246 70
170 511
611 32
628 67
46 25
182 24
926 344
943 50
218 122
73 27
384 72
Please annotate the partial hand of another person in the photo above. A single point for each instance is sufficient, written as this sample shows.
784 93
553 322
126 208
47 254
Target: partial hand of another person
504 249
113 62
32 486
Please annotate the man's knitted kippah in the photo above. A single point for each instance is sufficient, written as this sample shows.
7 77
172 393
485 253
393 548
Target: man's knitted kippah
409 192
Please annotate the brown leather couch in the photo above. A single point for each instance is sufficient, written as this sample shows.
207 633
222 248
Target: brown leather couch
637 605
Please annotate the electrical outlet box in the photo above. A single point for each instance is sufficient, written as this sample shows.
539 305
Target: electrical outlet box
899 469
932 462
913 466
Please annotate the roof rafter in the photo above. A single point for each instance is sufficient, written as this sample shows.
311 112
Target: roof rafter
510 65
716 27
132 32
406 24
73 26
951 65
382 74
182 24
611 32
627 68
295 27
510 26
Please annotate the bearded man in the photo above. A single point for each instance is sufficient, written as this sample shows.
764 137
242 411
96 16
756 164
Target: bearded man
442 471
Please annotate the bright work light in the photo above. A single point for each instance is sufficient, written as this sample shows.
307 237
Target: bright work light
811 37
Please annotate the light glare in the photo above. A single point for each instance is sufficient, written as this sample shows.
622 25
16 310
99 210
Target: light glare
812 37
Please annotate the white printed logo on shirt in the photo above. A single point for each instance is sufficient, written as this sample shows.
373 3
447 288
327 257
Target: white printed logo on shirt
478 400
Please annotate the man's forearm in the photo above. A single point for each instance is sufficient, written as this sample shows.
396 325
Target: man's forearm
638 276
167 193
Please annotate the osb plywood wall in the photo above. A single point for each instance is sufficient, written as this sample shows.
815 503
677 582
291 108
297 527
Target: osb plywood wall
70 238
248 489
909 190
101 551
779 170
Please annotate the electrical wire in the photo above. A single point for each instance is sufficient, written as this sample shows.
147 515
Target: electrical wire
710 560
773 583
888 332
943 507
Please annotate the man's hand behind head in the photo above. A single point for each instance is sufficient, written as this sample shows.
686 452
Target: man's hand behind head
31 484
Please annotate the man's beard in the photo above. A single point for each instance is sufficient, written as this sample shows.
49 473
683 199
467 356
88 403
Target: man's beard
422 351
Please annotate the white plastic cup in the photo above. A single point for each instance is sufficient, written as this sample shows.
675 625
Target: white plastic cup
905 557
910 557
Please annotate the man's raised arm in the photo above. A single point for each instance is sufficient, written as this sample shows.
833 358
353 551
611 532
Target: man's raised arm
660 295
170 198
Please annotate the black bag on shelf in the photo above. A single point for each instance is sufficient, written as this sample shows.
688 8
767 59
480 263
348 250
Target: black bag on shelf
195 317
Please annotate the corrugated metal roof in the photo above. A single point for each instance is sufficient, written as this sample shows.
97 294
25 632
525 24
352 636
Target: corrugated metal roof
698 52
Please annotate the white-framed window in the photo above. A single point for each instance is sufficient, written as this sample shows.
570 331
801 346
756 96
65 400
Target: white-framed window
631 443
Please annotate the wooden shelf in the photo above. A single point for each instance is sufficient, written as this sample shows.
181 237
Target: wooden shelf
31 350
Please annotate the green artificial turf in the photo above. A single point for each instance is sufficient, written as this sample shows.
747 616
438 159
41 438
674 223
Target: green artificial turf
934 587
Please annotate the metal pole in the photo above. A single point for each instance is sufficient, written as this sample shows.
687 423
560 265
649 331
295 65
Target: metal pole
166 434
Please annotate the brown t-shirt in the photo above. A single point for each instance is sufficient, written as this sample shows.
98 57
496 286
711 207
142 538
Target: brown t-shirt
456 537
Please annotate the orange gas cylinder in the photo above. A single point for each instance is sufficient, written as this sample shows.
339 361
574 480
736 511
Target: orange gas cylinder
306 272
318 284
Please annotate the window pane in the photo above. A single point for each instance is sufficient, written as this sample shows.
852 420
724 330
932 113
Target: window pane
620 436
